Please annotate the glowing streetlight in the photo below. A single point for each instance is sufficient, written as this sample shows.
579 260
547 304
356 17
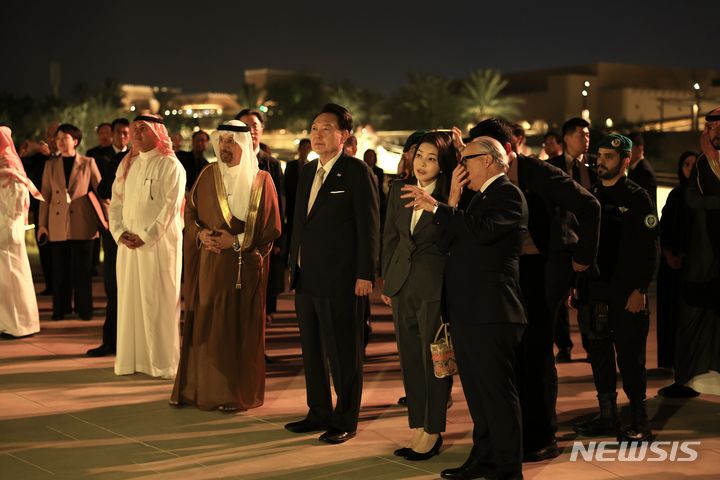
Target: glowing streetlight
696 107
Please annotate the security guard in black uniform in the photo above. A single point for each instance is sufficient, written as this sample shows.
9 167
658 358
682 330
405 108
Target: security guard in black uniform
612 301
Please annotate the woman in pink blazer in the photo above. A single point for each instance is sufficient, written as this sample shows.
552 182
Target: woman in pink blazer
69 223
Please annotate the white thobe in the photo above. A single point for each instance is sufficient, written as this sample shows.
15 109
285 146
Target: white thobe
149 204
18 306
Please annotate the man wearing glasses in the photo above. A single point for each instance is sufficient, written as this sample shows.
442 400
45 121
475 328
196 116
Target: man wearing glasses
484 302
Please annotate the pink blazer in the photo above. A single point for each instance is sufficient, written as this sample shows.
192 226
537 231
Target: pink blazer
73 219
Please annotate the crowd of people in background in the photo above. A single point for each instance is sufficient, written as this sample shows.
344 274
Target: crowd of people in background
474 231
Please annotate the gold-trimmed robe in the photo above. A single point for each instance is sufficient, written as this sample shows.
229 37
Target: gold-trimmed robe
222 360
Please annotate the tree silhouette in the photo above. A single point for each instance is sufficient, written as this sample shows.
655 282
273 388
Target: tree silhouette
426 101
482 99
249 96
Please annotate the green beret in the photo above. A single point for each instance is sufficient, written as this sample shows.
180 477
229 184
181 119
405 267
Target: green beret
616 142
413 139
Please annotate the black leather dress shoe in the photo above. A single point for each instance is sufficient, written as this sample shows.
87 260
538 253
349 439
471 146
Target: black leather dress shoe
402 452
415 456
564 355
101 351
335 436
678 391
472 468
304 426
545 453
402 401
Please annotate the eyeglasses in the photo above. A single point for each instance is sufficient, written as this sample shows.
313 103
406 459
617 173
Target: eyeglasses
464 159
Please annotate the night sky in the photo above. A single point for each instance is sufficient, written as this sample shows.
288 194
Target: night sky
202 46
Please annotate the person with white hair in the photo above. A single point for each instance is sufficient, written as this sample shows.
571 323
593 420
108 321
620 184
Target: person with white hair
19 315
146 222
485 308
232 218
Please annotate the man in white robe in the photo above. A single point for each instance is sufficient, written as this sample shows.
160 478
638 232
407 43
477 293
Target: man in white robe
146 221
19 315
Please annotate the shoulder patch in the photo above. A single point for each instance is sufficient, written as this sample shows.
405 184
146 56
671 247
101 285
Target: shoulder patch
651 221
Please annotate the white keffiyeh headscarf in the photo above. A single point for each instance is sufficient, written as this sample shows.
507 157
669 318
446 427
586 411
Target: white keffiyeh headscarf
238 180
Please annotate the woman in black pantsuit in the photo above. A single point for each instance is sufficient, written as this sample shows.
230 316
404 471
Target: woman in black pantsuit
413 261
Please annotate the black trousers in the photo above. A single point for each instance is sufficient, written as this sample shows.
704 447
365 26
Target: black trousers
331 333
96 253
45 251
668 312
416 322
276 282
536 373
485 355
46 264
110 278
559 280
72 271
628 335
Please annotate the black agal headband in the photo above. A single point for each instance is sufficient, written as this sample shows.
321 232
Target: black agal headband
234 128
148 118
712 118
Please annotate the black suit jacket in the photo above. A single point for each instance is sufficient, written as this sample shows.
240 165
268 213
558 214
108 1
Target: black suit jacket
644 175
35 168
108 162
482 270
420 252
559 162
272 166
340 236
191 165
550 195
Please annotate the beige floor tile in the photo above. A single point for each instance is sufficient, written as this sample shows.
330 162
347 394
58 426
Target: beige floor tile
64 415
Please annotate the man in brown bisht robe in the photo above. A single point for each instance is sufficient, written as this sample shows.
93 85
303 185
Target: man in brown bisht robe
231 220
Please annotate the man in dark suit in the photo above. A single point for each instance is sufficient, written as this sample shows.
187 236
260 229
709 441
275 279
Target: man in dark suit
108 159
333 256
104 134
575 161
640 170
276 275
34 165
194 161
291 177
547 190
484 302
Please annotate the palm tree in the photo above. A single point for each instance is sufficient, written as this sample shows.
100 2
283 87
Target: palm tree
249 96
482 97
349 96
426 101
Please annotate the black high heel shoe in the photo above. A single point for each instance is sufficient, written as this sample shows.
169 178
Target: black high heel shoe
402 452
414 456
